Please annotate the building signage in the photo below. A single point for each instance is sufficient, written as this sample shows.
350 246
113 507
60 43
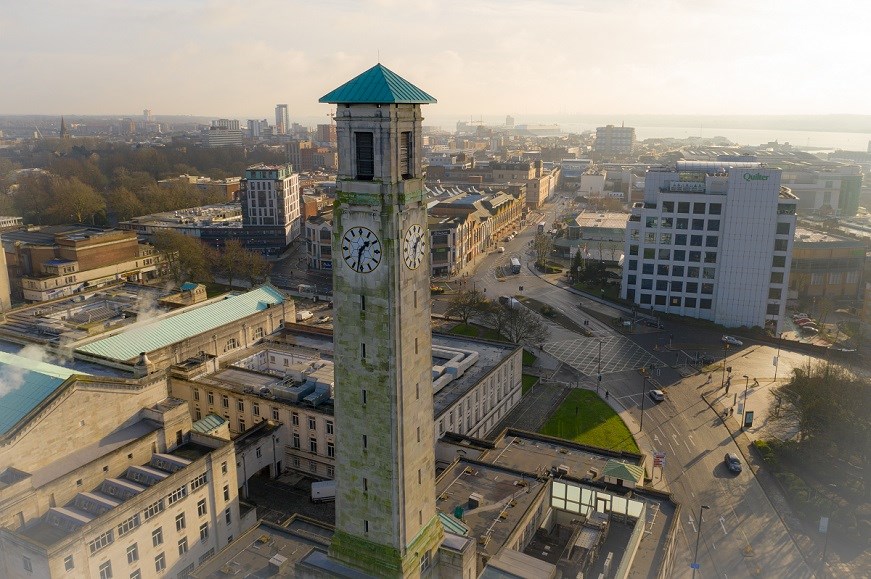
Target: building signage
755 177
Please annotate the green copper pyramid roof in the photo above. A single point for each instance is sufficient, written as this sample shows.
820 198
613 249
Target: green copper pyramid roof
377 86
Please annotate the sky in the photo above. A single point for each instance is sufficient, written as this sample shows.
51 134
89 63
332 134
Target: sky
238 58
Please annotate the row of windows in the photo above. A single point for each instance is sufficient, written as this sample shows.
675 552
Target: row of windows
674 301
697 208
682 223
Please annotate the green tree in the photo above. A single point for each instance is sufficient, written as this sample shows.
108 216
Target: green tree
577 266
122 204
33 198
255 268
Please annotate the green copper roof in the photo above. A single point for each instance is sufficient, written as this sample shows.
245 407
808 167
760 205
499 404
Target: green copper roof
623 471
24 384
453 524
152 336
378 86
208 423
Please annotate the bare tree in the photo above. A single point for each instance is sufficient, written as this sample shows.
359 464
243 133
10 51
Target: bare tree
543 245
466 304
518 324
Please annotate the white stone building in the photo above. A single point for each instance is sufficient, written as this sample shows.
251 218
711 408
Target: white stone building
712 241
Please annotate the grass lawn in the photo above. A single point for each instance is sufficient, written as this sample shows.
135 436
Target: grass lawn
528 382
585 418
529 358
473 331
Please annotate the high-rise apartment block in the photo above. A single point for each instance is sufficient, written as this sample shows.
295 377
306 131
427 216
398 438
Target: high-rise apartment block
712 240
223 132
611 140
270 207
282 119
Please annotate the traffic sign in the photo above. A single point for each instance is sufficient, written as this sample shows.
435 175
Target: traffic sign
695 566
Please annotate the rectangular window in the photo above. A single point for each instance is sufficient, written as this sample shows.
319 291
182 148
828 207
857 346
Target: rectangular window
106 570
693 272
715 208
711 241
695 256
25 562
665 238
773 309
224 467
294 418
241 425
660 299
710 257
365 442
783 229
705 304
294 440
645 298
182 546
650 238
689 302
331 450
312 423
633 265
132 553
680 239
780 244
661 285
698 224
650 222
680 255
226 493
179 522
69 564
137 574
676 286
153 509
259 452
677 270
646 283
178 494
225 401
649 253
707 288
696 240
160 563
709 273
668 206
329 426
128 525
201 508
275 414
255 408
196 394
363 350
199 481
228 517
647 268
682 223
101 541
406 160
157 537
365 526
240 405
776 277
779 261
313 445
664 254
713 224
204 531
698 208
211 398
774 293
364 144
692 287
667 222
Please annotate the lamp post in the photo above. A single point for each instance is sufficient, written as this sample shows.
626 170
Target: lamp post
698 536
777 356
643 396
725 349
746 384
599 368
826 542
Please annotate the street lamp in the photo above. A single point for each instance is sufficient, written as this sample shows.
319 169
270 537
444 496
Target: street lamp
725 349
777 357
599 368
826 542
643 396
698 536
746 384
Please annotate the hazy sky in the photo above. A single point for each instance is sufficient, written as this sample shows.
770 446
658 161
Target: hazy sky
238 58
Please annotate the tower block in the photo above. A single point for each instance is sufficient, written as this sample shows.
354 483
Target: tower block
386 520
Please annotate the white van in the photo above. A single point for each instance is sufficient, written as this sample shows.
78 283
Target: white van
501 249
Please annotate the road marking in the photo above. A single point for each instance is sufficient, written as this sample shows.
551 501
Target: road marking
723 525
692 523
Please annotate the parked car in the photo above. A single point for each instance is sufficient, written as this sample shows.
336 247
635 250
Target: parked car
732 340
801 321
324 319
656 395
800 315
733 463
810 330
501 249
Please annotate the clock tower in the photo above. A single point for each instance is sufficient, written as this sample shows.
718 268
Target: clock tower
386 520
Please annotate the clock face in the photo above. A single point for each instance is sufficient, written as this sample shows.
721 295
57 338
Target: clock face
414 247
361 249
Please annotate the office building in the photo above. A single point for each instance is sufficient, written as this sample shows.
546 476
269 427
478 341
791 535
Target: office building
270 207
222 133
282 119
713 241
826 264
614 141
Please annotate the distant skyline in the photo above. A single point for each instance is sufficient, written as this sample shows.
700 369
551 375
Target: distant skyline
238 59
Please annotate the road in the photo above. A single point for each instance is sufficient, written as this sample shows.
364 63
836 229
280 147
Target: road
742 534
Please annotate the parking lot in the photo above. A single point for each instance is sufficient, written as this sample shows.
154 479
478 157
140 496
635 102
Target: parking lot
618 354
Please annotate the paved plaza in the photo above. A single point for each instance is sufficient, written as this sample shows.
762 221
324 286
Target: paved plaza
618 354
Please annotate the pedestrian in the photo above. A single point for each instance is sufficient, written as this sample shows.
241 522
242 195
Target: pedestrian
607 394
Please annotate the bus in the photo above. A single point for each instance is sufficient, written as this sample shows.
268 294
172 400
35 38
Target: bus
541 227
515 265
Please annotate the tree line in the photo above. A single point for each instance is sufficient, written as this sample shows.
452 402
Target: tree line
101 183
189 259
514 323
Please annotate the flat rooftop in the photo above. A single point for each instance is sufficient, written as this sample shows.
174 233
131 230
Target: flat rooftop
808 236
505 496
609 219
221 214
251 553
154 335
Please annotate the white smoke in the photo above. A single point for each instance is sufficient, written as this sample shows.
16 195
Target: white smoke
12 376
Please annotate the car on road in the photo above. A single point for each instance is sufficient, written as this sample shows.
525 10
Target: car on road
656 395
800 315
732 340
810 330
801 321
323 319
732 462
